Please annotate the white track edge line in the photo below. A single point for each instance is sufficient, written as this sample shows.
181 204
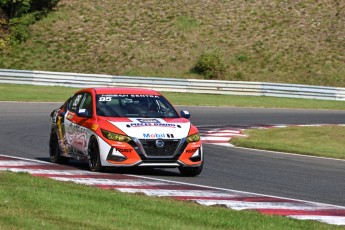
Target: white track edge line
238 191
27 159
203 186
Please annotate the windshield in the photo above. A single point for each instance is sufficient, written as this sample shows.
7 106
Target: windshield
127 105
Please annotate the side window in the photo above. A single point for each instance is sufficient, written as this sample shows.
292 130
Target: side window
66 104
74 103
165 108
87 103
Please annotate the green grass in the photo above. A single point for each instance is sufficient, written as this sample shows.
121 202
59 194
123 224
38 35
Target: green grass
269 41
186 24
325 141
10 92
321 141
28 202
266 41
30 93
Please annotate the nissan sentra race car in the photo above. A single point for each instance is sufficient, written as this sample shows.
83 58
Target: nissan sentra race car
124 127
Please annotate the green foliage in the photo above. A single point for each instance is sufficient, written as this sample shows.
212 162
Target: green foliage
20 27
211 64
22 14
4 37
15 8
4 43
18 8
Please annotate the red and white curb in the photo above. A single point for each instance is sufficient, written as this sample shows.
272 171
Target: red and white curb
204 195
222 135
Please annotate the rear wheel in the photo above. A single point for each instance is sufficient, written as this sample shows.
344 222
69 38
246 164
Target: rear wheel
54 149
94 157
190 171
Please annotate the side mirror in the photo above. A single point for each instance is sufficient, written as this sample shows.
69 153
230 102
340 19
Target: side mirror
185 114
83 113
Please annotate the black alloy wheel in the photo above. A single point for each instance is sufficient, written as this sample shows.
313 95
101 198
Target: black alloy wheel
54 149
93 156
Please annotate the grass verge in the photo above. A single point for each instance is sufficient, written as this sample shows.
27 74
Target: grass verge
327 141
12 92
29 202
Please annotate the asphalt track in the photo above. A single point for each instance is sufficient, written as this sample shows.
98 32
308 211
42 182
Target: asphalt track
25 132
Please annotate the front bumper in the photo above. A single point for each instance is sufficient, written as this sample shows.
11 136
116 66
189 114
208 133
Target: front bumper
143 153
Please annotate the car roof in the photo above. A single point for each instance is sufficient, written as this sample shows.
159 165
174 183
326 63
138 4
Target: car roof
125 91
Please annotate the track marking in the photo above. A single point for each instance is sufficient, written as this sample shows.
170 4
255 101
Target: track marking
214 135
204 195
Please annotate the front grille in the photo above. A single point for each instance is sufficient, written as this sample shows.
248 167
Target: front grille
167 150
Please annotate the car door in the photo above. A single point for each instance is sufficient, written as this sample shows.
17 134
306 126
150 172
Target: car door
83 122
71 127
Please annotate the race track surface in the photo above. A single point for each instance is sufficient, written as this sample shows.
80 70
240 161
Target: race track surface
25 133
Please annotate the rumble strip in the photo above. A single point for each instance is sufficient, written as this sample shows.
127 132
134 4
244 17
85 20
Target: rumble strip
180 191
221 135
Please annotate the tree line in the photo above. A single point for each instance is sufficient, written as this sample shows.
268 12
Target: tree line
17 15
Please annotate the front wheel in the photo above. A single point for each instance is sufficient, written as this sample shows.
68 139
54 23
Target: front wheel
190 171
54 149
94 157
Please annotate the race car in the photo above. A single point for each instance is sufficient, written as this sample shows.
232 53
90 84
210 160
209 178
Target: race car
124 127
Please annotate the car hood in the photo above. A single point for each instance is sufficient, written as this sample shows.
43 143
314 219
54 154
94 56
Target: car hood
154 128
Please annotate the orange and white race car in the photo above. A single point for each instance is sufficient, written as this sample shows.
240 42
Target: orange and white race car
124 127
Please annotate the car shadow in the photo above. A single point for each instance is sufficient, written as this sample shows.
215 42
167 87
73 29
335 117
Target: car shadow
140 171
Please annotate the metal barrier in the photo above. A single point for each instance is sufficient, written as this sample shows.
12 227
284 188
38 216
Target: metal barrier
172 85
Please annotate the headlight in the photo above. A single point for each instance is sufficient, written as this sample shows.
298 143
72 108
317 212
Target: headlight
193 138
115 136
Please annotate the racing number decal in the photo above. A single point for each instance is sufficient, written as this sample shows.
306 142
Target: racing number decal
104 99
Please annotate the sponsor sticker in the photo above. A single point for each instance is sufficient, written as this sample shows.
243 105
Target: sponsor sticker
144 96
158 135
154 135
191 150
137 125
94 127
123 150
128 95
70 116
148 121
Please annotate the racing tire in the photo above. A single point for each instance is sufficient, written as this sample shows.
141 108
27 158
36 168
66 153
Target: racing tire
54 149
94 158
190 171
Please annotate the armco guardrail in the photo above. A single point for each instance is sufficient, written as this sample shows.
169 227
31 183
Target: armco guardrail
171 84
